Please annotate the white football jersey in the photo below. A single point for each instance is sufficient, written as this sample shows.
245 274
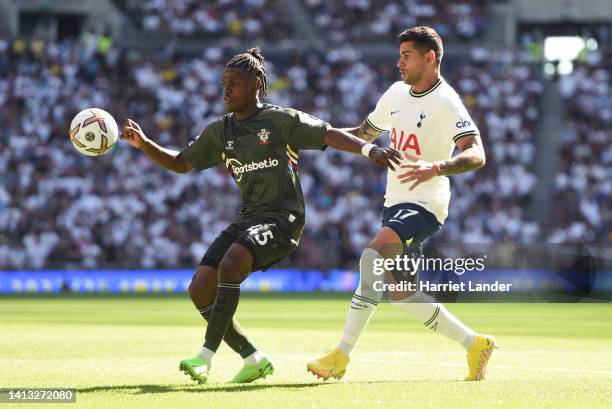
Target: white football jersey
425 125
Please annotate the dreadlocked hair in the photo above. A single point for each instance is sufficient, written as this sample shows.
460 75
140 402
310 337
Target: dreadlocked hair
252 61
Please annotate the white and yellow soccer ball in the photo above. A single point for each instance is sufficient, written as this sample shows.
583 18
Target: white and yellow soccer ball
93 132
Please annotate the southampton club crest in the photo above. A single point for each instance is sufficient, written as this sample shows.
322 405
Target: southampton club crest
264 136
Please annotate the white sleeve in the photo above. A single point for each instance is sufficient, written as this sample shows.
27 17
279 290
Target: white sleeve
380 118
458 122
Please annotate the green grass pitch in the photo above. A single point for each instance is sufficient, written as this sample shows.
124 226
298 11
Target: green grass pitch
123 352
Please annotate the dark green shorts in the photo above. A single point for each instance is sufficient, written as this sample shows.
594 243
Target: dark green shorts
269 237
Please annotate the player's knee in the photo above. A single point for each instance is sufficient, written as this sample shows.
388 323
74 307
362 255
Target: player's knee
229 270
370 261
202 288
400 296
194 289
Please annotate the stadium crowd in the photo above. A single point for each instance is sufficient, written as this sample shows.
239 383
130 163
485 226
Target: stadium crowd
61 209
213 19
338 21
583 185
377 20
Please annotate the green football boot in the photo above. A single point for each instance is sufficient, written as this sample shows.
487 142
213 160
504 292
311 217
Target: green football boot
250 373
196 368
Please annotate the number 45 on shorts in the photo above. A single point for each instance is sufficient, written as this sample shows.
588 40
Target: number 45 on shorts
261 233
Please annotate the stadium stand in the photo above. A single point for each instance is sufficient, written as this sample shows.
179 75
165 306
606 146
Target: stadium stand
375 20
583 185
59 209
234 18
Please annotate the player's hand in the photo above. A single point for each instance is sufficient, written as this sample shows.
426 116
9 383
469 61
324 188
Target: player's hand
419 171
132 133
385 157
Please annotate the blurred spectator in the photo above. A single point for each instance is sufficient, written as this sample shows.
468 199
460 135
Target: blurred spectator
59 209
583 185
377 20
501 90
244 19
337 21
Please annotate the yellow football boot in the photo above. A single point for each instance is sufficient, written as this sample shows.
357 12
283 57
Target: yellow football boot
332 365
478 357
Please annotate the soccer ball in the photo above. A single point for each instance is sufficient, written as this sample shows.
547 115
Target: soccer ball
93 132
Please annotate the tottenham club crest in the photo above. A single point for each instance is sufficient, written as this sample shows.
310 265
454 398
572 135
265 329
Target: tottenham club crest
264 136
421 117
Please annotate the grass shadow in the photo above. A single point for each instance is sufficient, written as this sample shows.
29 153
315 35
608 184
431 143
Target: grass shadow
220 387
225 387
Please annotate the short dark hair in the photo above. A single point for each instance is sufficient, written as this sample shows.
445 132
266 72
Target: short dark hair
425 39
252 61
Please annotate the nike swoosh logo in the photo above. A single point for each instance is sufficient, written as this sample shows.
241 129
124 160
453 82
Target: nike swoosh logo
261 370
394 112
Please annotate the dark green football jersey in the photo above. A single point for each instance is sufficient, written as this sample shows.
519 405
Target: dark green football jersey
261 154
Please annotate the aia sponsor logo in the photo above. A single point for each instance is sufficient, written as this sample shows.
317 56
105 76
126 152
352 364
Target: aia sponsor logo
404 141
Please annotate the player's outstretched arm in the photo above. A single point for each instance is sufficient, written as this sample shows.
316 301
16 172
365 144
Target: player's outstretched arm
472 157
364 131
166 158
343 141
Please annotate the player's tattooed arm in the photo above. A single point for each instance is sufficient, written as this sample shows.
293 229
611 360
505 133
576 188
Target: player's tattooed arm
364 131
472 157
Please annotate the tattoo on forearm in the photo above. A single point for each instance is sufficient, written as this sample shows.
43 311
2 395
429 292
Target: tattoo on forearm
460 164
366 132
471 158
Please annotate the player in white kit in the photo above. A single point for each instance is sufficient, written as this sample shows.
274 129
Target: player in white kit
425 119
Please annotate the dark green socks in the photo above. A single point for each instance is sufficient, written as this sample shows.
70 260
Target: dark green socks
234 337
222 314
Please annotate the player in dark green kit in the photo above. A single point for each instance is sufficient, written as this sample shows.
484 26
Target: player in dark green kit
259 144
